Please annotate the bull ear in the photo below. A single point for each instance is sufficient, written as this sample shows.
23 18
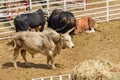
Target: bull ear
70 30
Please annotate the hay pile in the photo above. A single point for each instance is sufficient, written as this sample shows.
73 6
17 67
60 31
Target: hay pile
96 70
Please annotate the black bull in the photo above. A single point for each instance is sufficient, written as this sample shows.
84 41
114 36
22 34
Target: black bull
61 21
27 21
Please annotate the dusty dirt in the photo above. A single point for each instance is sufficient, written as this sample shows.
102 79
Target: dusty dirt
103 44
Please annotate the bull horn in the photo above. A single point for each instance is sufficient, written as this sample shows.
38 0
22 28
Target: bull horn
70 30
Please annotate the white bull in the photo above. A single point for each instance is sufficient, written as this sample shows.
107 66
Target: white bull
48 43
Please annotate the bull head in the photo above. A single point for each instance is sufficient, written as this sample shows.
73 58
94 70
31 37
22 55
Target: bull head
67 39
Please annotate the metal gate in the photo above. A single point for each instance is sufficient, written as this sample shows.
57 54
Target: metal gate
59 77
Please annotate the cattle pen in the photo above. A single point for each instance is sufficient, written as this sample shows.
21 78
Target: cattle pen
109 10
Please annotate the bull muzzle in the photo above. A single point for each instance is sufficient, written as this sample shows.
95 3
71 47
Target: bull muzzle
72 46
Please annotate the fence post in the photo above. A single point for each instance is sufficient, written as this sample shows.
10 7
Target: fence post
69 77
65 5
84 4
51 78
107 10
48 7
60 77
42 79
30 4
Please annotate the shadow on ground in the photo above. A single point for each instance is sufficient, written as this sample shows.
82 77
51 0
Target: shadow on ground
32 65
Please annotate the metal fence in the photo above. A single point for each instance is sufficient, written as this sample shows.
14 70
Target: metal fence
59 77
101 11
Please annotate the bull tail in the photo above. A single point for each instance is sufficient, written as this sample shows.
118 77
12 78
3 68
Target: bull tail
14 44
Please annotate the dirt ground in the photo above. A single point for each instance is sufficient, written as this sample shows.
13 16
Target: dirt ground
103 44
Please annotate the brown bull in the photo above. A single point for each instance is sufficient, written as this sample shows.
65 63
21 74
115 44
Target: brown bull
85 24
48 43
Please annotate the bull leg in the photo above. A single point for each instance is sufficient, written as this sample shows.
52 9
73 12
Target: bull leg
92 30
52 64
42 28
37 29
51 59
29 29
16 53
23 54
48 61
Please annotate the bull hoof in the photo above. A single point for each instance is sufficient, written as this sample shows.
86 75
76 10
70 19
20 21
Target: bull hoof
15 65
53 67
90 31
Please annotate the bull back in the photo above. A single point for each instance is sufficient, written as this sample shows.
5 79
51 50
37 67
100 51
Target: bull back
61 21
30 20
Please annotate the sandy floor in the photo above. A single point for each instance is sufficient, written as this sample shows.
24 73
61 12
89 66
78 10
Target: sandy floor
103 44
